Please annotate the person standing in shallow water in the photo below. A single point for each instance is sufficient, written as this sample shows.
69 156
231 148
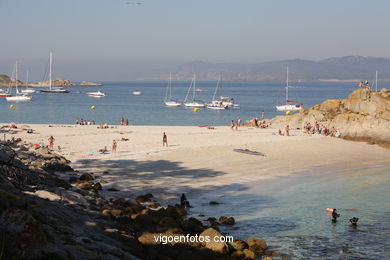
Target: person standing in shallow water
51 142
165 140
335 215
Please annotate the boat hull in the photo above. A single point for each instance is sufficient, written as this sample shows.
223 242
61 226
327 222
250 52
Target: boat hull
28 91
172 104
55 91
18 98
5 95
289 108
192 104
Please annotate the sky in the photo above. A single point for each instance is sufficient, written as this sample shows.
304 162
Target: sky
105 39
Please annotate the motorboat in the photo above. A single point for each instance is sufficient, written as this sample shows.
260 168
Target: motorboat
96 94
136 92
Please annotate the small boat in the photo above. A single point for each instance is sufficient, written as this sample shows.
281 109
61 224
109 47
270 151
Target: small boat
136 92
169 101
27 90
194 102
247 151
52 89
217 104
199 90
4 93
289 106
96 94
19 96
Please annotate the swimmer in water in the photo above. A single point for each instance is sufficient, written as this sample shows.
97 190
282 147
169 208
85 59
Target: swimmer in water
354 221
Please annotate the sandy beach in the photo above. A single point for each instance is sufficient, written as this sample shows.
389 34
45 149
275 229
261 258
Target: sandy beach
197 159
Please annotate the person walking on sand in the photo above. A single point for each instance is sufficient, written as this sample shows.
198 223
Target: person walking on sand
51 142
165 140
287 130
232 125
114 145
127 121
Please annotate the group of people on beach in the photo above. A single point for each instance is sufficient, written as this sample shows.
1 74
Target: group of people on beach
320 129
124 121
254 122
286 131
85 122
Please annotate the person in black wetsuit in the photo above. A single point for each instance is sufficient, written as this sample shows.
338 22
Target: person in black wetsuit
335 215
184 202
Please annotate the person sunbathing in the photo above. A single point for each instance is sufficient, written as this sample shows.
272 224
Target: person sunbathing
103 150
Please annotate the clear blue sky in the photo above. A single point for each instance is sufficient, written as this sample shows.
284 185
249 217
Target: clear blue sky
101 39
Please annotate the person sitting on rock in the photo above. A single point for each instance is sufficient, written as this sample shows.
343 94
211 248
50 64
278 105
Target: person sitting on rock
184 202
354 221
335 215
361 84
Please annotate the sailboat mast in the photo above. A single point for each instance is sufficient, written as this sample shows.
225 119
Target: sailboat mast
170 85
50 70
193 96
287 87
16 77
27 79
376 81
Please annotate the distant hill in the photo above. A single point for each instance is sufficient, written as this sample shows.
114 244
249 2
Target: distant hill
340 68
5 81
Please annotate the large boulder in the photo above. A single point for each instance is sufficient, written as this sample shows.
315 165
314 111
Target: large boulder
257 245
208 238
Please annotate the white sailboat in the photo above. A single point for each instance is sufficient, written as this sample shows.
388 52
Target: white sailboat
52 89
169 101
19 96
217 104
27 90
96 94
289 106
193 102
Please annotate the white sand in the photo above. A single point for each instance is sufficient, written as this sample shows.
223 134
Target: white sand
198 159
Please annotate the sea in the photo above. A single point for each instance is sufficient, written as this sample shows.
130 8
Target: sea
290 213
148 108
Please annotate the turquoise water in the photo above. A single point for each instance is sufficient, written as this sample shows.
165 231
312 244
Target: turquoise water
148 108
289 213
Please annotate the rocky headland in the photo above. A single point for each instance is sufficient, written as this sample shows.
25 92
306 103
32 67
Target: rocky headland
50 211
6 81
363 116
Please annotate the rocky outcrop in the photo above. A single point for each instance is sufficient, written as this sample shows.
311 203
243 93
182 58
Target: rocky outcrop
89 83
363 116
54 82
6 81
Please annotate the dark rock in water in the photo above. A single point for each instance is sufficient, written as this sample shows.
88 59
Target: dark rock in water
200 215
227 220
249 254
97 186
257 245
144 198
112 189
214 203
239 244
85 185
73 179
153 205
86 177
192 226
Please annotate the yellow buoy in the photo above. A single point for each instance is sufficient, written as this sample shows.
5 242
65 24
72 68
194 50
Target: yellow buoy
11 106
92 107
195 110
288 112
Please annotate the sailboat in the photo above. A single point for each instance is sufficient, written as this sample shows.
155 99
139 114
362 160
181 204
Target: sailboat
96 94
217 104
19 96
52 89
27 90
193 102
169 101
289 106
